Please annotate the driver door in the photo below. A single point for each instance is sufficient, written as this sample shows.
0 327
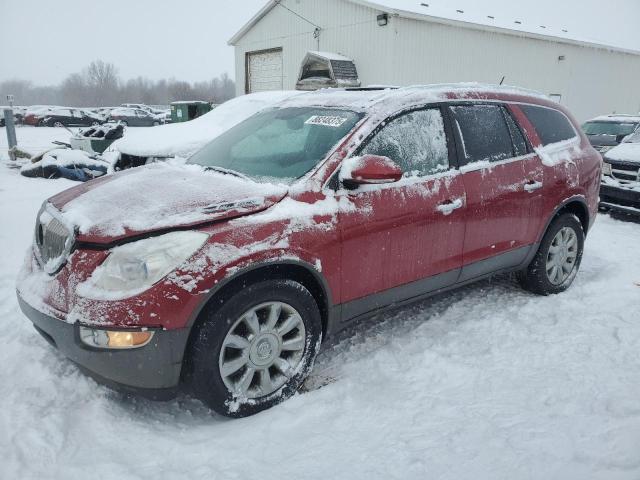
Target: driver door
404 239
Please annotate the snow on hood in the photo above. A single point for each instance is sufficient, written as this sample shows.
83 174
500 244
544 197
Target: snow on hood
625 152
184 139
158 197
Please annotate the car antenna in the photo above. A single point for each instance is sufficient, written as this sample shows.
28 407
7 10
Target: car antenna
502 81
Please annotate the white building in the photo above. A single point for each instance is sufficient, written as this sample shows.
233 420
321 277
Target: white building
406 46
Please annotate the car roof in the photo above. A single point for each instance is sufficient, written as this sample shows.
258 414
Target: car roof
617 118
390 99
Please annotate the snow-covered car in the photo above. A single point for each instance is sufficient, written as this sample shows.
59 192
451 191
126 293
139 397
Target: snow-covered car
224 275
134 117
70 117
33 115
183 139
607 131
620 189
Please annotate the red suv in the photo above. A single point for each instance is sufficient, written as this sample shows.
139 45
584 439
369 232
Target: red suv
223 275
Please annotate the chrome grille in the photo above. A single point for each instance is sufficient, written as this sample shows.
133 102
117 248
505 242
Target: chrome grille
625 171
53 240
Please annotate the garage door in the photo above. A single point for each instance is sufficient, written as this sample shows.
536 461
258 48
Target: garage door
264 71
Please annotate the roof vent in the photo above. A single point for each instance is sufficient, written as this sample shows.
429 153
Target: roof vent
323 70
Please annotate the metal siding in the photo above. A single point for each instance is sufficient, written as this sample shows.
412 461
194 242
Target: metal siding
409 51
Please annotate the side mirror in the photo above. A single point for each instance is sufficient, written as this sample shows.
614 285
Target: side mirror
370 170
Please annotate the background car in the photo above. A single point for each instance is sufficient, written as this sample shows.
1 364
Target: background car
134 117
35 113
608 131
620 188
70 117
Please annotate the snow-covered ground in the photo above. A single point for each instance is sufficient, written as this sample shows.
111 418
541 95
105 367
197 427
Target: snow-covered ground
487 382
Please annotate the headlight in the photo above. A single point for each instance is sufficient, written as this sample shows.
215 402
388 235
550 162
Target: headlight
604 149
133 268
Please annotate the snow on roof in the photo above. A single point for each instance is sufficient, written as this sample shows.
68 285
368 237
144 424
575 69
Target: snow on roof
330 56
183 102
558 22
619 118
362 100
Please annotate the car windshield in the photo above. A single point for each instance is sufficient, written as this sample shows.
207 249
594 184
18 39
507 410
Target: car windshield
609 128
282 143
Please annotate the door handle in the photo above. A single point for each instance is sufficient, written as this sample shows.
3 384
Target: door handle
449 207
532 186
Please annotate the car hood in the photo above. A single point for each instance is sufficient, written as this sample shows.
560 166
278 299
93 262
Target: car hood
159 197
625 152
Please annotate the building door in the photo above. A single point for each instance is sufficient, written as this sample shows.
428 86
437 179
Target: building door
263 70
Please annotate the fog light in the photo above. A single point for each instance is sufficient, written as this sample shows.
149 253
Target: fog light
114 339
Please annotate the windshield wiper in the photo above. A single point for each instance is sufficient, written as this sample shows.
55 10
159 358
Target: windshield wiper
226 171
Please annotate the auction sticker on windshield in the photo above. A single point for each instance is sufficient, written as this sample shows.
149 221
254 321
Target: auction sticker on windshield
326 120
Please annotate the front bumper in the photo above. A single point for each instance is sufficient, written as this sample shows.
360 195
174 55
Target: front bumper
613 196
152 371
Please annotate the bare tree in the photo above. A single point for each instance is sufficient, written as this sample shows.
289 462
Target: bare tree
100 85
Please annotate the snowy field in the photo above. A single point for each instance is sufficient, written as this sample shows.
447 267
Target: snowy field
487 382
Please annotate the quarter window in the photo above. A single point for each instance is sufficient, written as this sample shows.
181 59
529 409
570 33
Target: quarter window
416 141
552 126
484 132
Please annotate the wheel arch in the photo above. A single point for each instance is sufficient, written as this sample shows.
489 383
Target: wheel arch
297 270
576 205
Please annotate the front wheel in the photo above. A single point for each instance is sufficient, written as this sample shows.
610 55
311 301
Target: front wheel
255 350
58 124
557 261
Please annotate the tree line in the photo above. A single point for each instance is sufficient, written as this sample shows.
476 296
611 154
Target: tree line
99 85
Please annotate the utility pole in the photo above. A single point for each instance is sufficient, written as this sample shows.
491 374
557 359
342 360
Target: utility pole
11 128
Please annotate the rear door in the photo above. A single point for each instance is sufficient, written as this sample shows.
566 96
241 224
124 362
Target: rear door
404 239
500 190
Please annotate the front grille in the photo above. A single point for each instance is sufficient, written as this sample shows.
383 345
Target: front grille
53 241
625 171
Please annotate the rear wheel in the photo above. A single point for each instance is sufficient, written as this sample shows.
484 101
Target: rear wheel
58 124
155 124
255 350
557 261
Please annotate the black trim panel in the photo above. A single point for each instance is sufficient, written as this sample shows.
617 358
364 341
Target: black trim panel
152 370
412 292
503 261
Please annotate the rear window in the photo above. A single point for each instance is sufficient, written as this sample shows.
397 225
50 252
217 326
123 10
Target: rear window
552 126
484 132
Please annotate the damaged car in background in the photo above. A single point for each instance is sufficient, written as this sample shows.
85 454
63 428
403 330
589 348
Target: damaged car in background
142 146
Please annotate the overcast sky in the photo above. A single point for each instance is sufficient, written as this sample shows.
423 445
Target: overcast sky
45 40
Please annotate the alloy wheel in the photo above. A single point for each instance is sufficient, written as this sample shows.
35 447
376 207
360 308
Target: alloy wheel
562 255
262 350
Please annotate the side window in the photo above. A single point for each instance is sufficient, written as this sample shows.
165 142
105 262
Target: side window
484 132
416 141
552 126
519 143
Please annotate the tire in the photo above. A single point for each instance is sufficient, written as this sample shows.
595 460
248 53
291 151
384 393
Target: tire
95 124
155 124
212 349
58 124
536 277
